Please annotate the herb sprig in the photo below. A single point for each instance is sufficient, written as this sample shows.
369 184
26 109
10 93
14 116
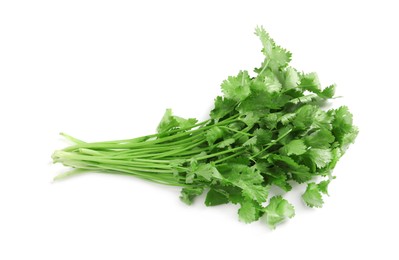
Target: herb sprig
266 130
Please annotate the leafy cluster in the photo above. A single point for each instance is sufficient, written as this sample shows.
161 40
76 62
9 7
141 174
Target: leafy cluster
266 130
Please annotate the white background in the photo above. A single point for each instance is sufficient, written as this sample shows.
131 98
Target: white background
103 70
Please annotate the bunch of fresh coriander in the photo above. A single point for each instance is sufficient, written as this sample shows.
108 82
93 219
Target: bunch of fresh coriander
267 130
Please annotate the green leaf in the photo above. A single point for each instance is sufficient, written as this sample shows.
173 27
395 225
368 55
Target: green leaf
283 134
272 84
255 192
336 155
170 122
185 123
249 180
260 102
328 92
321 138
251 141
167 122
349 138
321 157
205 171
291 78
275 175
270 120
287 118
223 107
248 212
304 117
213 134
296 147
273 158
312 196
323 186
277 211
237 88
188 194
250 119
343 120
226 143
234 193
263 137
300 173
303 99
276 57
343 129
310 82
216 197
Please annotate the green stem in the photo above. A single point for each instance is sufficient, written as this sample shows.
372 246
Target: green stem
219 153
116 145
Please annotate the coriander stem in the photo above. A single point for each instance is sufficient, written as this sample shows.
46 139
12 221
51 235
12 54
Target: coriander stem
219 153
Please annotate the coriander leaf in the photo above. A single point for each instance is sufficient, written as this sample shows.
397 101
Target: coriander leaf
304 117
234 193
296 147
323 186
342 122
213 134
275 176
291 78
321 138
223 107
226 143
251 141
281 182
216 197
328 92
206 171
349 138
255 192
277 211
237 88
272 84
249 180
322 120
167 122
321 157
250 119
263 137
260 102
170 122
303 99
273 158
270 120
185 123
310 82
276 57
284 136
188 194
312 196
300 173
248 212
336 154
287 118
